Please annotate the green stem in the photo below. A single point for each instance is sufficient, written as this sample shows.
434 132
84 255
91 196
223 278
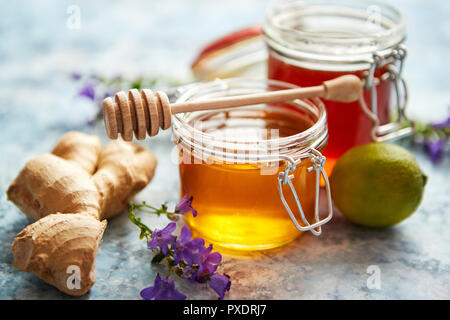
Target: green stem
146 232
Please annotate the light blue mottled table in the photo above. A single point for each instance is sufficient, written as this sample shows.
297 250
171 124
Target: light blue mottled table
38 104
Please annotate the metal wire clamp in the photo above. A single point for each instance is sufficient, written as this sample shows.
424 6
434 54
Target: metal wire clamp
393 130
318 162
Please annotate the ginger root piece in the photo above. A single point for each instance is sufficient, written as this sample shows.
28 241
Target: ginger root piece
49 184
80 148
121 174
60 249
70 199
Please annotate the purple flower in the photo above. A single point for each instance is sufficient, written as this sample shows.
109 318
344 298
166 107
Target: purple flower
442 124
163 238
185 205
87 91
220 284
163 289
189 273
187 249
435 149
208 262
75 75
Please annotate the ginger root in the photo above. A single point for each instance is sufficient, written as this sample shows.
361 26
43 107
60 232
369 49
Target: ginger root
79 148
49 184
123 170
70 192
58 246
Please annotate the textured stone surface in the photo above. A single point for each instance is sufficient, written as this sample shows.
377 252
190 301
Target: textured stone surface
38 104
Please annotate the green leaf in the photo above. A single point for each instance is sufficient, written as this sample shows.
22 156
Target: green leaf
158 258
178 272
137 84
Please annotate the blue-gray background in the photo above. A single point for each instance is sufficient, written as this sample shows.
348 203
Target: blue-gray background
160 38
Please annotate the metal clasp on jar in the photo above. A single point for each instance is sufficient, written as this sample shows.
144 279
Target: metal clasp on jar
397 129
318 162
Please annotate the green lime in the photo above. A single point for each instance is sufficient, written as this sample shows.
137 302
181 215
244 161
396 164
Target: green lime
377 184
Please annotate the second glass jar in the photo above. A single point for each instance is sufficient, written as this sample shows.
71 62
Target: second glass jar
312 41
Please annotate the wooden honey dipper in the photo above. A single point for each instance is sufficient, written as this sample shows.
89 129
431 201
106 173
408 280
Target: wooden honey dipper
145 112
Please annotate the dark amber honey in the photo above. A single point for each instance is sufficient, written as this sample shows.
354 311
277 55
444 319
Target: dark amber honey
348 125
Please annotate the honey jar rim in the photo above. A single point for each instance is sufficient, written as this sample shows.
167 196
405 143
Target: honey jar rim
312 137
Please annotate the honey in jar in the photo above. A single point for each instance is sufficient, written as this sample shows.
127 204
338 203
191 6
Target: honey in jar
310 42
232 161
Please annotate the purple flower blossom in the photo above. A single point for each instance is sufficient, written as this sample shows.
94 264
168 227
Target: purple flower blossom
435 149
208 262
163 238
75 76
442 124
163 289
87 91
189 273
185 205
185 257
220 284
187 249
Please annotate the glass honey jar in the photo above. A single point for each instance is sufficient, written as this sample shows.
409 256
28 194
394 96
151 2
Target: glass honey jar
253 171
313 41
